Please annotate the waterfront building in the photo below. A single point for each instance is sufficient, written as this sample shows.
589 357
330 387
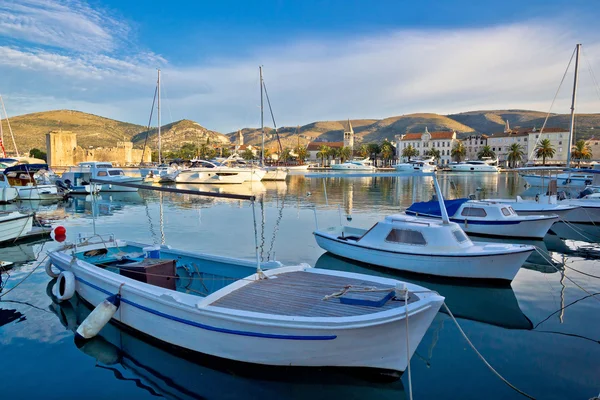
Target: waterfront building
423 142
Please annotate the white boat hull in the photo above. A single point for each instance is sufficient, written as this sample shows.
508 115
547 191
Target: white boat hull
191 176
588 212
39 192
8 194
497 266
473 168
275 174
14 225
532 207
187 321
562 180
344 167
413 168
525 229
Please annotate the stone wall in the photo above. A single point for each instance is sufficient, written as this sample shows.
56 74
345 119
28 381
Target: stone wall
63 151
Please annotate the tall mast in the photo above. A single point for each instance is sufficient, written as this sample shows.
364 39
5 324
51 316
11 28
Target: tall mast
2 138
571 133
9 128
159 142
262 122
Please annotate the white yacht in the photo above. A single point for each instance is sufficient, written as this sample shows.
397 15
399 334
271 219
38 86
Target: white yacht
355 165
475 166
33 184
7 192
487 218
536 176
202 171
77 179
425 245
425 165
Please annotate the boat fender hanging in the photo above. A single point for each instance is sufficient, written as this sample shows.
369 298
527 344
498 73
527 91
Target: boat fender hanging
64 288
49 271
98 318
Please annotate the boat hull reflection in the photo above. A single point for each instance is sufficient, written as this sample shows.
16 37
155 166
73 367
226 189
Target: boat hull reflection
168 371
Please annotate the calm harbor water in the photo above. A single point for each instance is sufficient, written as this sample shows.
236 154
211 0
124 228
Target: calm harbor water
542 332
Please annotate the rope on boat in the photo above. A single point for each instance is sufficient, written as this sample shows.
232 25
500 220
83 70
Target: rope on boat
483 359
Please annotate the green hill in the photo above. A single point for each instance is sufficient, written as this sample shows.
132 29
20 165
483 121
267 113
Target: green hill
174 135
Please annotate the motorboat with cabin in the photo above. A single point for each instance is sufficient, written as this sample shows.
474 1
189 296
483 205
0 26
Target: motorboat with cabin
424 245
355 165
476 166
537 177
487 218
248 311
416 166
78 179
34 182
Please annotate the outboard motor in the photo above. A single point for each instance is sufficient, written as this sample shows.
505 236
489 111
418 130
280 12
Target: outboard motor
64 187
584 193
562 195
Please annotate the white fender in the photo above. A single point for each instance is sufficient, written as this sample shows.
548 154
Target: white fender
64 288
49 269
99 317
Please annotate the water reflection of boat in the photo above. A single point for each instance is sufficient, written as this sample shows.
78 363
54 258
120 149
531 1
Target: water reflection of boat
490 304
102 204
10 315
165 371
572 231
22 252
246 188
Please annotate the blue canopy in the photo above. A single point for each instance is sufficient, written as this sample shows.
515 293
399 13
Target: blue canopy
27 168
433 207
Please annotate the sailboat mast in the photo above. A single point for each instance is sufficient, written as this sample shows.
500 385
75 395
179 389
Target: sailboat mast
2 138
572 126
262 121
9 128
159 141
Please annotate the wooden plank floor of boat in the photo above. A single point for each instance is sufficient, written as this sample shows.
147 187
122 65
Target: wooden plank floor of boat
301 294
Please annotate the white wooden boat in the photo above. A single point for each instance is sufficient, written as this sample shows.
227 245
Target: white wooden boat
488 218
78 178
474 166
14 224
285 319
425 245
30 184
355 165
275 174
7 192
563 179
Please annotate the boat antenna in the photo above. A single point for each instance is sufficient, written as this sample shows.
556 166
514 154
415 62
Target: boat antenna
262 119
438 193
273 118
149 123
158 110
9 128
573 99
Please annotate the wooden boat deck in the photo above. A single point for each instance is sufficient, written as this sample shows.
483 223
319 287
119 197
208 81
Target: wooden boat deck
301 294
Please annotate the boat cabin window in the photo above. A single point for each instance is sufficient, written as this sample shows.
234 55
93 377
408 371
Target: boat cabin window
115 172
473 212
460 236
406 236
506 211
102 173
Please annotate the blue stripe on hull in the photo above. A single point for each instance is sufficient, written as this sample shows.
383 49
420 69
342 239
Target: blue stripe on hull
203 326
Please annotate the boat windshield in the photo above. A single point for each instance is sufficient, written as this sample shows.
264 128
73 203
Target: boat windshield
115 172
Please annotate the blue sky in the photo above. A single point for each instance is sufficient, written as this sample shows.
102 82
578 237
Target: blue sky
322 59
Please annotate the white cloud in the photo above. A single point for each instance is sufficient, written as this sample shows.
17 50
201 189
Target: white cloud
399 72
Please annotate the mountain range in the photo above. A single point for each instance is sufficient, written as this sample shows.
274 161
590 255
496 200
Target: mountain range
96 131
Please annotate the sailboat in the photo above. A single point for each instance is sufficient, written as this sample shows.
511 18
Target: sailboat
162 173
273 173
569 178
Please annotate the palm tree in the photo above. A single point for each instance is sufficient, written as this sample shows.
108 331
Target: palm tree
363 151
302 153
409 152
374 150
345 153
333 153
248 155
387 151
323 152
458 152
544 150
515 154
486 151
581 151
285 155
435 153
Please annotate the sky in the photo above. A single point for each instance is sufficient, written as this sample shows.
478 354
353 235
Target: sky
322 60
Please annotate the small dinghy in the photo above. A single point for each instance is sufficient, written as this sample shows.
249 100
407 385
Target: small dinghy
487 218
293 316
425 245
